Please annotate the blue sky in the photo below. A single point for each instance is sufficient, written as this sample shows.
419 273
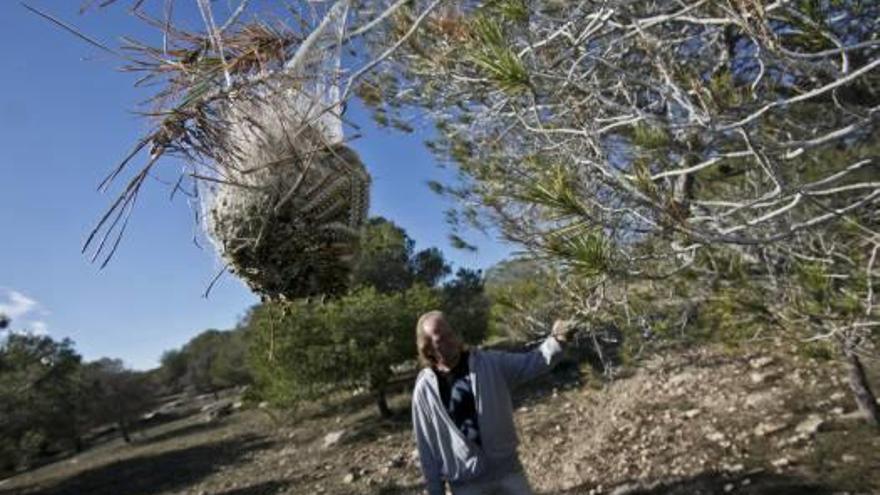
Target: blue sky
66 117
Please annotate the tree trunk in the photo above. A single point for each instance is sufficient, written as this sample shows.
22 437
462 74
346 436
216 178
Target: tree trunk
858 382
382 403
124 430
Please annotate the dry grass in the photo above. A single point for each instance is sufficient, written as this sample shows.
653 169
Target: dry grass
575 439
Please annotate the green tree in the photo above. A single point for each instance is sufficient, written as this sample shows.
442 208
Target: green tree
664 145
429 267
173 365
303 349
383 260
210 361
116 394
466 305
40 407
523 299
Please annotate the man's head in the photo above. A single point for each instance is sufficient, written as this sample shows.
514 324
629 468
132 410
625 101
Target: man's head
438 344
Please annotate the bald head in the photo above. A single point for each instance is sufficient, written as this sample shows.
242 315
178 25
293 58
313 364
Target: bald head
438 343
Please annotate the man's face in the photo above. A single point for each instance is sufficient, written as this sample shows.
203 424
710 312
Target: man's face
446 344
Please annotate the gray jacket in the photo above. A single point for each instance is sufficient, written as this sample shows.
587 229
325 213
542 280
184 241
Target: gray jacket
444 452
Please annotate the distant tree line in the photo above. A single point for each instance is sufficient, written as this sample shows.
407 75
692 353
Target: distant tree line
209 362
51 401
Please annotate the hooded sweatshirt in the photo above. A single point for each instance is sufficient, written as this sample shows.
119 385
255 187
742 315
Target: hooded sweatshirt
444 452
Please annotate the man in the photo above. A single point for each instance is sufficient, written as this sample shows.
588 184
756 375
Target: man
463 412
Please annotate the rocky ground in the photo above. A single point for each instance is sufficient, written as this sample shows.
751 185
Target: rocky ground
755 421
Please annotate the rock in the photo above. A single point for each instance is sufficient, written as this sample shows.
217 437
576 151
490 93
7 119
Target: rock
237 405
765 429
760 362
837 396
333 438
736 468
810 426
746 482
216 413
692 413
757 377
349 478
626 489
397 461
781 462
679 379
715 436
263 405
729 487
837 411
759 398
801 437
856 415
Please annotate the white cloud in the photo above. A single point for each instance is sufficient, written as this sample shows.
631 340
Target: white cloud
16 304
25 312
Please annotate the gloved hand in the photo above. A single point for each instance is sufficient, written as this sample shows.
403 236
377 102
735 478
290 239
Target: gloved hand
563 330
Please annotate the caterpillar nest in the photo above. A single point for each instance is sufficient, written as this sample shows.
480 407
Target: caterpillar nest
286 211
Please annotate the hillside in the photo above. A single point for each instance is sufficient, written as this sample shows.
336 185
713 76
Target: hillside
753 421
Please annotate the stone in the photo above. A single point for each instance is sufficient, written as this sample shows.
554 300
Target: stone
765 429
856 415
759 398
760 362
781 462
758 378
848 458
715 436
349 478
397 461
810 426
692 413
729 487
333 438
626 489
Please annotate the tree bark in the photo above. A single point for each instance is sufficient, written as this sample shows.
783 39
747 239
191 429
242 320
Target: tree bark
124 430
858 382
382 403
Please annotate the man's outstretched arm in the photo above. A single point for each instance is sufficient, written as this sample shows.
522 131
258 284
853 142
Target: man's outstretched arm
519 367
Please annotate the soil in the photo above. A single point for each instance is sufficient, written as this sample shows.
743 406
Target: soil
751 421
